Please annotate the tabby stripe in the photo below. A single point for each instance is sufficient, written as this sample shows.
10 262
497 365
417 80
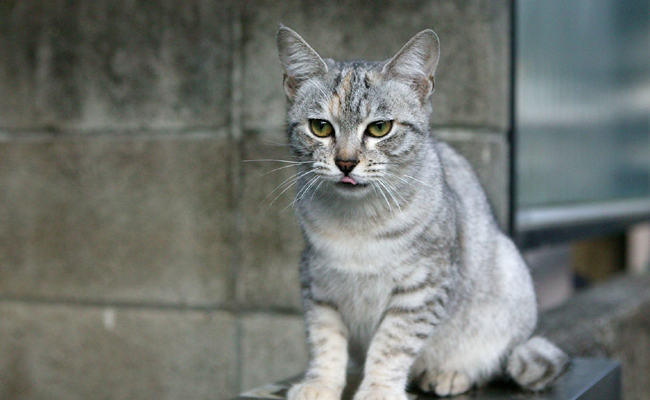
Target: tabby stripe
292 126
412 127
404 310
396 233
325 303
391 351
411 289
424 320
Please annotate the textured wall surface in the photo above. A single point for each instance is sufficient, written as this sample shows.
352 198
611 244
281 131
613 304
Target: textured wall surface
140 256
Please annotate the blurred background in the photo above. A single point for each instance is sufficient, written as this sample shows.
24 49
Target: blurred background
141 257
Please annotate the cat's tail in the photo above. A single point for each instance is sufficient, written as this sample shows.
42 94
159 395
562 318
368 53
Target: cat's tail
535 364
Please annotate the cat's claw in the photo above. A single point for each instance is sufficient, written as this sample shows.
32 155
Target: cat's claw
312 391
379 394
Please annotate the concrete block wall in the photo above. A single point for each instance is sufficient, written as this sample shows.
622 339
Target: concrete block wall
140 256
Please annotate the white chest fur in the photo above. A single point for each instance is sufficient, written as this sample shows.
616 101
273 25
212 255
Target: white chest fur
353 248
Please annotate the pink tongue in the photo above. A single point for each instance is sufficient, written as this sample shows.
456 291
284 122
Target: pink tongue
347 179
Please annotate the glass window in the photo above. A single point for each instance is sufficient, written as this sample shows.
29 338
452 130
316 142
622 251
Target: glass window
582 102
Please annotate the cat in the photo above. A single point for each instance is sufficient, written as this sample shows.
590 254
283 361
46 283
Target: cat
405 271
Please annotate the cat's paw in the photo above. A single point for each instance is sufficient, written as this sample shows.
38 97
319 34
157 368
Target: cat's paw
312 391
447 383
380 394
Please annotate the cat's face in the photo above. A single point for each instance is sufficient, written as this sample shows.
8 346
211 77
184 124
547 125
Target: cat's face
356 125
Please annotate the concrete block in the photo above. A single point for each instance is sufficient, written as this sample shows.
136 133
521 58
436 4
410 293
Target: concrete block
273 348
609 320
77 353
472 84
271 240
118 219
115 64
489 155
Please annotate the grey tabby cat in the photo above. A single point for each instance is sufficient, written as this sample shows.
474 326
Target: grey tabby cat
405 270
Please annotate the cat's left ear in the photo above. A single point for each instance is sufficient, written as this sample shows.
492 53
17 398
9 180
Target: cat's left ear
416 62
299 60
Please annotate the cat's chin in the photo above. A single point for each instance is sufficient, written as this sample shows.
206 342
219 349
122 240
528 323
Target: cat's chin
349 189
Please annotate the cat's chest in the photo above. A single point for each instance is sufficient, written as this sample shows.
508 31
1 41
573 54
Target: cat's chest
361 300
357 251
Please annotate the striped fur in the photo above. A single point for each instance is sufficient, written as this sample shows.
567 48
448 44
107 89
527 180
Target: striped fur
405 273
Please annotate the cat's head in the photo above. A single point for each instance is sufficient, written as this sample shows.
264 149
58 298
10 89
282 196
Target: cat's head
358 125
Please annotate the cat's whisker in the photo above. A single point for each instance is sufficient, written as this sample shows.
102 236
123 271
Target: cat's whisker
315 190
279 168
311 185
405 181
289 182
395 190
302 192
419 181
437 190
280 194
286 181
385 198
390 193
276 160
374 189
277 144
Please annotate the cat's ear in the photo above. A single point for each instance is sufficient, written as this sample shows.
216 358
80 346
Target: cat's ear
416 62
299 60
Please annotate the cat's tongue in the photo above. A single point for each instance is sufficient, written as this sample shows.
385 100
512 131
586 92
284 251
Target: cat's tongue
347 179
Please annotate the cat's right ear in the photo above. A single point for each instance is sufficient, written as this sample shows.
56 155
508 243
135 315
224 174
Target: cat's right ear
299 60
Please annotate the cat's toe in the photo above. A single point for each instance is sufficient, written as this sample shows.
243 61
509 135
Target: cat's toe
452 383
428 381
312 391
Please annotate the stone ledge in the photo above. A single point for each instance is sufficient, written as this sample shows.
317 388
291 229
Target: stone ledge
609 320
586 379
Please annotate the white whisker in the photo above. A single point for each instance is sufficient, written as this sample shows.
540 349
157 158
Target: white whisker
302 192
315 190
274 160
395 190
390 193
279 168
417 180
437 190
291 181
385 198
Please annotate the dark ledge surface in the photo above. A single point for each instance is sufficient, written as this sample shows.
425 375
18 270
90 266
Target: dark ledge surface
586 379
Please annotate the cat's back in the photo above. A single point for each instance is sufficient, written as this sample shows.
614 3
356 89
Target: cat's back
465 187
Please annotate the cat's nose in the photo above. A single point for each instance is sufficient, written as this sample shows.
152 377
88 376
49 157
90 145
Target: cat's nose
346 166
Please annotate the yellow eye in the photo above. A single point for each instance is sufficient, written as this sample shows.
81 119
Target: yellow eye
321 128
379 128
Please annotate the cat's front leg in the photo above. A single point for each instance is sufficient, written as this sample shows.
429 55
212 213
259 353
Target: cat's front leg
328 348
397 343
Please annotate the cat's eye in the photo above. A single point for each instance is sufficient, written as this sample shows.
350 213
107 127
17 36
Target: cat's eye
379 128
320 127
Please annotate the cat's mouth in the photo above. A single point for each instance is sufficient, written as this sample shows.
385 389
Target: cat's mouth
350 182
